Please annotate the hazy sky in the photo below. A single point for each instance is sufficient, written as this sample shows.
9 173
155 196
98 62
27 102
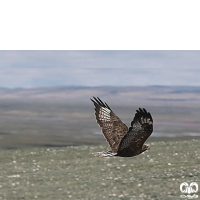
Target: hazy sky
95 68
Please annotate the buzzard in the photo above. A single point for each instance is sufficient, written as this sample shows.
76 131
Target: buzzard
124 141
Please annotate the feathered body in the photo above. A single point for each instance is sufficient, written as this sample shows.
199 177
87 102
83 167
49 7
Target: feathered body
124 141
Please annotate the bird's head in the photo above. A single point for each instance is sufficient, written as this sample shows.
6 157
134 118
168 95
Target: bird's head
145 147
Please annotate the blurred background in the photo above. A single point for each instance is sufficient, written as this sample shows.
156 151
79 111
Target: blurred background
45 95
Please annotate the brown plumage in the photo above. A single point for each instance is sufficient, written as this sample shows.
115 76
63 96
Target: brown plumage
123 141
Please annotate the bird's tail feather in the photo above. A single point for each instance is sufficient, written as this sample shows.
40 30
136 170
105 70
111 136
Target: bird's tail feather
104 154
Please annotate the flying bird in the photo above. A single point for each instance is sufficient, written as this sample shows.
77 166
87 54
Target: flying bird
123 141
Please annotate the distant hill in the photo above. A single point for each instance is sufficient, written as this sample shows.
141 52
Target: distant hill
126 94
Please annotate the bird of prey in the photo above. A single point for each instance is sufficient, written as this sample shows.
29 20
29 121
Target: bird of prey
123 141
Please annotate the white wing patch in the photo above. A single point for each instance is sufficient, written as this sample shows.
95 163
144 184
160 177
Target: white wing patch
104 114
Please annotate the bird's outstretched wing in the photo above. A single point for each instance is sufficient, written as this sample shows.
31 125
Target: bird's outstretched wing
112 127
141 128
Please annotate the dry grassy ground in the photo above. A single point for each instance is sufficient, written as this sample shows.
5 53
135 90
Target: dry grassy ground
73 172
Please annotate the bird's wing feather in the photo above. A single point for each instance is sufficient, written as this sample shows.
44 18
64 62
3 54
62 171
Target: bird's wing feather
141 128
112 127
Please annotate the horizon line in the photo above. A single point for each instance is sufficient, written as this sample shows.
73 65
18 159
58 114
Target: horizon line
86 86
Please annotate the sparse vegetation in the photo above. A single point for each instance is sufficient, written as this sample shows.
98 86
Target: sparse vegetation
73 172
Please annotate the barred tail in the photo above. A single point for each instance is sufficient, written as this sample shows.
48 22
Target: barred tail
104 154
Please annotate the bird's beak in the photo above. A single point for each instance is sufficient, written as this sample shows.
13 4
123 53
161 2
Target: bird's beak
148 148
